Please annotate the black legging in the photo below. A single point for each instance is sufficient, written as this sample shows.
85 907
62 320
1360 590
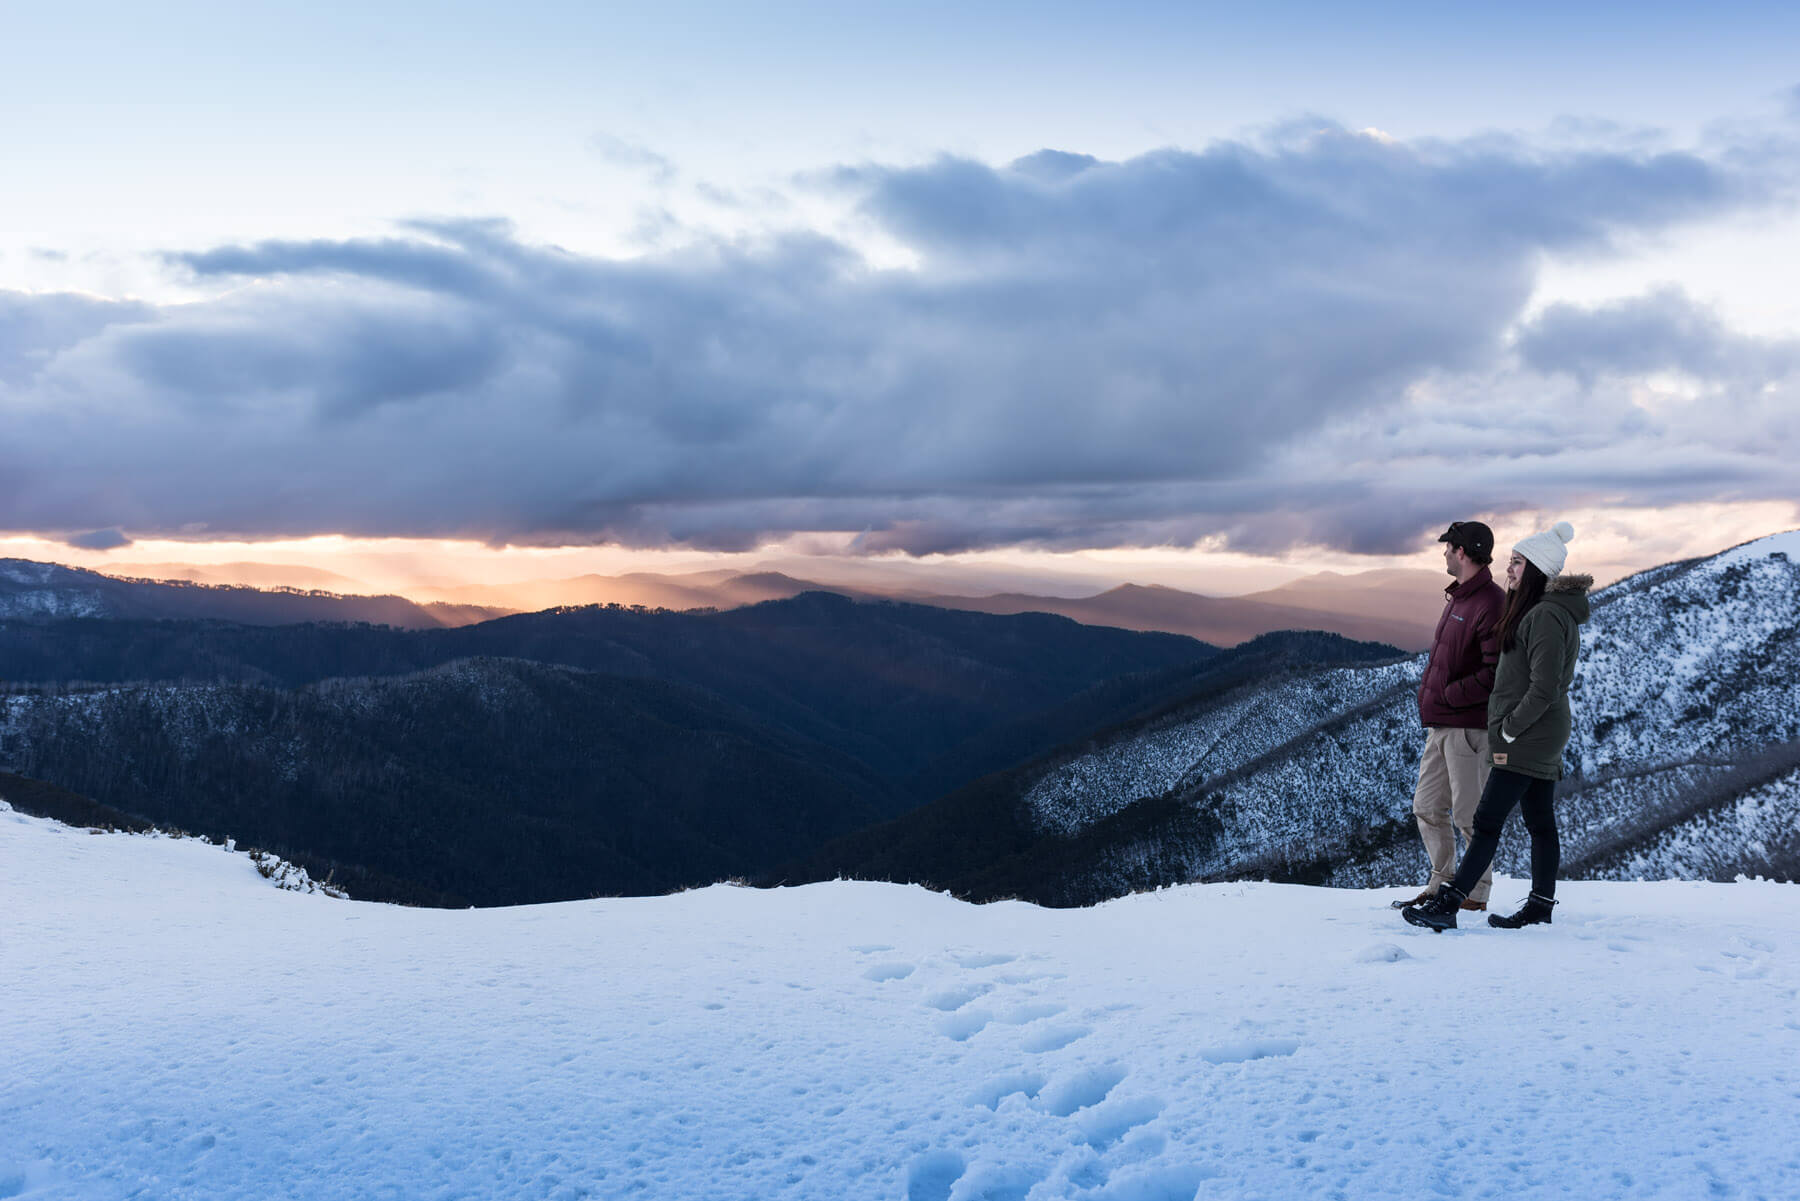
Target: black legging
1533 797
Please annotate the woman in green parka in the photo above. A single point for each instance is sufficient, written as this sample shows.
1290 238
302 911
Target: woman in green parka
1528 727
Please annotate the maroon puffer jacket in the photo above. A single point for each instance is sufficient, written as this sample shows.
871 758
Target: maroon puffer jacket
1460 673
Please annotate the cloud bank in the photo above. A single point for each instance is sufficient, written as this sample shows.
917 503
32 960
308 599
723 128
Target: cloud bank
1312 338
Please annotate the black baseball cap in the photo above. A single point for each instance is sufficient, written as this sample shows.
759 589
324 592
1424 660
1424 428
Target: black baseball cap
1476 540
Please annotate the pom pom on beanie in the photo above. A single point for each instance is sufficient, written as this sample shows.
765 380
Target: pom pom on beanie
1549 550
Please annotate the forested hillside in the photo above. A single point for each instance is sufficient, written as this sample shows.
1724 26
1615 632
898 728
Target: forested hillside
561 754
484 781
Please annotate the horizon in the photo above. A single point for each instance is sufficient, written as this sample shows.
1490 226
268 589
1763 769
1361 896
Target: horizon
899 581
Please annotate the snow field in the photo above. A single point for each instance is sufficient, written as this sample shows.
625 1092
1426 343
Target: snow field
176 1027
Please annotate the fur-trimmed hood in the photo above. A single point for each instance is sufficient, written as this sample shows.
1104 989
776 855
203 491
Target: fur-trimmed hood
1568 593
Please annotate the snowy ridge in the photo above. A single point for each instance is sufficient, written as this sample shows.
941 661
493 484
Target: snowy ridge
24 571
1757 549
48 591
1184 747
45 591
218 1038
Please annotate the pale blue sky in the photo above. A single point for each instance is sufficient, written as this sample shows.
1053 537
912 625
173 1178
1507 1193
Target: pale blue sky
190 121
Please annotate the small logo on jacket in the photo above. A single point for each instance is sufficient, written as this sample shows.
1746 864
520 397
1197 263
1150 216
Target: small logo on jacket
1499 758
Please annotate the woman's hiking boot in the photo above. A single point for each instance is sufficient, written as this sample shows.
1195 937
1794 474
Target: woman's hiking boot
1535 911
1438 913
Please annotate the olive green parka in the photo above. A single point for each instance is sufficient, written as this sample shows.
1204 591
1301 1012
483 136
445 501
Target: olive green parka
1530 700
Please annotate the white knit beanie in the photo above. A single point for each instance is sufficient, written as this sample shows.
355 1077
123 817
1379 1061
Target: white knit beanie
1548 550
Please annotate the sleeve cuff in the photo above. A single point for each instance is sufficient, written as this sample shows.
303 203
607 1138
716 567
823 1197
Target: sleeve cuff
1506 736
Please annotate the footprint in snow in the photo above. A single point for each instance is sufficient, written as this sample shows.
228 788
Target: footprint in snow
18 1180
1081 1091
952 999
1257 1048
1104 1125
989 959
931 1176
1740 947
1750 956
1026 1084
1157 1181
1030 977
1024 1015
964 1024
871 948
999 1182
1054 1039
883 972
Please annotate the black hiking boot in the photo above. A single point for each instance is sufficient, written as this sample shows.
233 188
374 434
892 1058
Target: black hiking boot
1439 913
1535 911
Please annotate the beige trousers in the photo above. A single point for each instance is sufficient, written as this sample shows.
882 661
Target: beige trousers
1451 777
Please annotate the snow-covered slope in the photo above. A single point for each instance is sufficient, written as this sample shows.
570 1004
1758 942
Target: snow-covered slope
1688 674
1197 744
176 1028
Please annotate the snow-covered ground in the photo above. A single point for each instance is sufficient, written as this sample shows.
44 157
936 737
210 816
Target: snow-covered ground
171 1026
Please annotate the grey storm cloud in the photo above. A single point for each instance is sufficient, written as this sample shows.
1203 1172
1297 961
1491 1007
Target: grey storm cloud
99 540
1087 353
1663 331
36 328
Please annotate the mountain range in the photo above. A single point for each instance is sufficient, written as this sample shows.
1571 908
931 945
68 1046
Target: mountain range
571 752
1399 607
607 749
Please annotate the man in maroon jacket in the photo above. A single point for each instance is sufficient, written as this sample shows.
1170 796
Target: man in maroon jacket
1453 700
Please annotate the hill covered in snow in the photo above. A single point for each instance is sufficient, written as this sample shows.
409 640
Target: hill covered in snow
1685 762
177 1028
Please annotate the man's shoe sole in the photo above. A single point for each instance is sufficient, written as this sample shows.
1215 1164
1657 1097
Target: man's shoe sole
1416 919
